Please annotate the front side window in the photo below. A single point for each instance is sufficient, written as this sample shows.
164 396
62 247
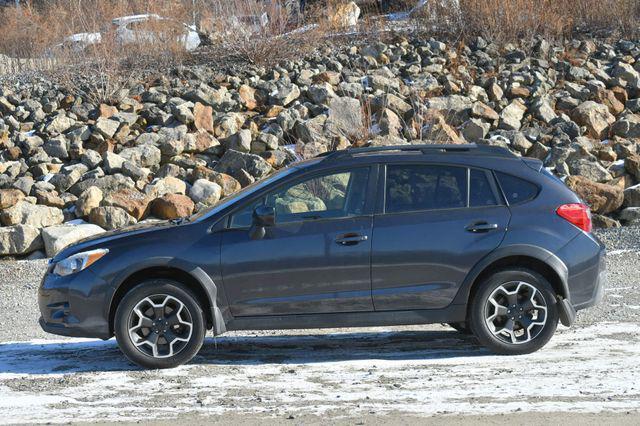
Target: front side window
330 196
425 187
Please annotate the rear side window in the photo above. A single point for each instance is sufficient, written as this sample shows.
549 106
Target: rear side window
481 194
425 187
516 190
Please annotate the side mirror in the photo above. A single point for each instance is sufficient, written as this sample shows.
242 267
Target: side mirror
263 217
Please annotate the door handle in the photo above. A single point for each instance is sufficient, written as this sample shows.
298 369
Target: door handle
482 227
350 239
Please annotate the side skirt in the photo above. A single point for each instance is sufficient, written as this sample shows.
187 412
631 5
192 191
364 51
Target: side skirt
452 313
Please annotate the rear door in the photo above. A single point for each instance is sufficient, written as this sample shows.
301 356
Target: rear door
435 222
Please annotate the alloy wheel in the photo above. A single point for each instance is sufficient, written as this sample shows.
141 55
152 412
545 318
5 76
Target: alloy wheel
516 312
160 326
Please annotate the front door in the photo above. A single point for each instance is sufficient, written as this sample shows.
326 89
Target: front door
316 259
437 222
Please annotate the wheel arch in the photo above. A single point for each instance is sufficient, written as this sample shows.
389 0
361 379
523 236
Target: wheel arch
195 279
537 259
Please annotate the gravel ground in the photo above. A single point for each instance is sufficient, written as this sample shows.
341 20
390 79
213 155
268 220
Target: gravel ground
368 376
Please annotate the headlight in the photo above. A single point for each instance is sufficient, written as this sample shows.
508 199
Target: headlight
78 262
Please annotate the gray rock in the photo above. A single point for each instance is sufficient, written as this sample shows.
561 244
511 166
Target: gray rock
107 184
240 141
627 126
56 238
107 127
19 240
57 147
345 118
143 155
112 163
205 192
24 213
91 158
234 161
511 116
590 170
632 196
111 217
475 129
631 215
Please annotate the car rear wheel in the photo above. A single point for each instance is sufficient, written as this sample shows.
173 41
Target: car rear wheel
514 312
159 324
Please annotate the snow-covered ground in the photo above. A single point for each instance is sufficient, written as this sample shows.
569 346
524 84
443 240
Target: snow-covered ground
416 371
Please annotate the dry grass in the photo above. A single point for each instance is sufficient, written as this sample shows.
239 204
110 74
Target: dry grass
523 20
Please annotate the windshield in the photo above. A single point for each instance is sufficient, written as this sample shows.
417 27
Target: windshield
244 192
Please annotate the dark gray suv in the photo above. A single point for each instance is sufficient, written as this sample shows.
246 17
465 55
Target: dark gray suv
472 236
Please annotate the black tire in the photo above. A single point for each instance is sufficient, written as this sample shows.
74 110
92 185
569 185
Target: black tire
538 335
462 327
172 354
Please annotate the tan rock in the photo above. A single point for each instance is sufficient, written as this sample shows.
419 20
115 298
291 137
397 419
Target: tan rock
247 96
172 206
10 197
602 198
130 200
595 117
203 117
107 111
88 200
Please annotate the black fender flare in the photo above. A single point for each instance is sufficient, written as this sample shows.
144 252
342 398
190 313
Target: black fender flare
535 252
197 273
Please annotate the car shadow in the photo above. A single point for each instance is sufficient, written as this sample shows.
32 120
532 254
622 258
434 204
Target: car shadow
59 357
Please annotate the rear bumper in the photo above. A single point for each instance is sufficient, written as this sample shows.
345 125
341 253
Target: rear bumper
585 258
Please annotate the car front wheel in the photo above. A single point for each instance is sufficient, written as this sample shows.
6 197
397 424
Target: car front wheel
514 312
159 324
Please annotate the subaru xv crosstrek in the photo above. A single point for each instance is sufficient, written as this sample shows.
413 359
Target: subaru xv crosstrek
473 236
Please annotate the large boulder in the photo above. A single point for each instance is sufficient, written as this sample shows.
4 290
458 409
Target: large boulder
106 184
345 118
602 198
24 213
132 201
205 192
57 238
109 217
172 206
19 239
595 117
233 161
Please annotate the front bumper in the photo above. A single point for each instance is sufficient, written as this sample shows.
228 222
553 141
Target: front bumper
73 305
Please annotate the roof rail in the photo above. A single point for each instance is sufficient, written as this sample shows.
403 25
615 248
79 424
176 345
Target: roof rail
424 149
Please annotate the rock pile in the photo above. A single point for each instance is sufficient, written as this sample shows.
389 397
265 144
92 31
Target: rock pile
166 148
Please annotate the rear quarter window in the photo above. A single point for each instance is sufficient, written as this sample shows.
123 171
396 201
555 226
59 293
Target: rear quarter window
516 190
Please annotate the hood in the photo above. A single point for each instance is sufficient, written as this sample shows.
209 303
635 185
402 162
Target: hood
110 236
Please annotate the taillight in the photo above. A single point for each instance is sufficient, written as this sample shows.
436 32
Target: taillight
578 214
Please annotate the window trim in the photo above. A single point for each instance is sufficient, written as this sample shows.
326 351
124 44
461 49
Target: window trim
382 187
368 204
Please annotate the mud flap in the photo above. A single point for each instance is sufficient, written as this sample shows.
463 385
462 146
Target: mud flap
567 312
